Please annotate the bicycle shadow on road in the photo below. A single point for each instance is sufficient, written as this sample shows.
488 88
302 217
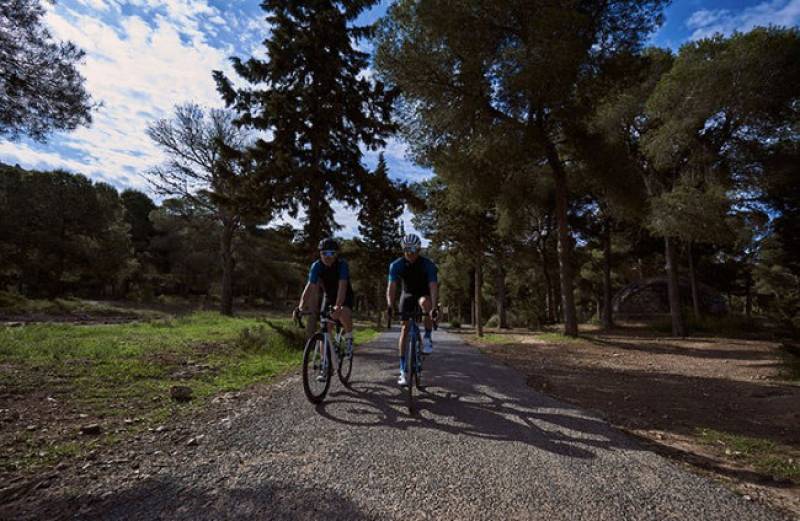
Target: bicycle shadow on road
474 397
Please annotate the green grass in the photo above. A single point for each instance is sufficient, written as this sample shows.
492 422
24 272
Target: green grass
764 455
515 338
111 372
492 338
558 338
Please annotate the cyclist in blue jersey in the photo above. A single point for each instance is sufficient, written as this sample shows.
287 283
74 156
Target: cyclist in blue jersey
420 285
331 275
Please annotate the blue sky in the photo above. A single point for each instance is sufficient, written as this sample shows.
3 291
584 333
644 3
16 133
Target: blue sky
144 56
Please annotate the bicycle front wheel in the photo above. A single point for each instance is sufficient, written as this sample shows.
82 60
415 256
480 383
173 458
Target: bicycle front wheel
411 362
317 369
345 365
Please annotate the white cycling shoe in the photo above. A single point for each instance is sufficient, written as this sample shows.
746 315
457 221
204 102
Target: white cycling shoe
427 346
403 380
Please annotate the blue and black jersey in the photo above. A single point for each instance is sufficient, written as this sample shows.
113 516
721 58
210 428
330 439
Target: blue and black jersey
415 276
329 276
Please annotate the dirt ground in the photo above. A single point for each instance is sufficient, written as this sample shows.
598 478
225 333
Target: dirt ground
691 399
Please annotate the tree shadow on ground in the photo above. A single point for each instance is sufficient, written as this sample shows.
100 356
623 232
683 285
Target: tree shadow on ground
169 498
474 398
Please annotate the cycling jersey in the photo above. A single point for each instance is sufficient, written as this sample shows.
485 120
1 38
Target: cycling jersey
415 276
328 277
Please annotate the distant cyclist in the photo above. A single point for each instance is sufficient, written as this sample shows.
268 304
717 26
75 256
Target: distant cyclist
420 286
331 275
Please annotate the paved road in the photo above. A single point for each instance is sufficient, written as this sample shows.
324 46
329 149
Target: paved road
483 446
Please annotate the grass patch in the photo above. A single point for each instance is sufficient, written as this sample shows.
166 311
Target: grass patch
783 463
113 372
558 338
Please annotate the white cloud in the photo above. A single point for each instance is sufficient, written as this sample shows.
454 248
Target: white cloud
138 71
705 22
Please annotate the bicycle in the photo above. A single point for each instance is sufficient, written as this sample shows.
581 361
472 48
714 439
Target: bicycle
413 353
319 352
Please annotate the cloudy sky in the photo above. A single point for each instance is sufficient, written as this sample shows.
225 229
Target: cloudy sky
143 56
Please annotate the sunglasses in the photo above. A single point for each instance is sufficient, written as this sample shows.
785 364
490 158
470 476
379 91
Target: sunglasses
328 253
410 250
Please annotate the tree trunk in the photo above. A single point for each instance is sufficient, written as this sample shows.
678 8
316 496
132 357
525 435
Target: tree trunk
608 312
693 283
478 284
678 327
564 241
549 298
748 302
379 292
226 248
500 291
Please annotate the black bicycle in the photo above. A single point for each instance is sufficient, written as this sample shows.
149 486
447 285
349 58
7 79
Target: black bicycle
321 353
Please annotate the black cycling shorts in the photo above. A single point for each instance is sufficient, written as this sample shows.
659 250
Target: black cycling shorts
348 300
410 301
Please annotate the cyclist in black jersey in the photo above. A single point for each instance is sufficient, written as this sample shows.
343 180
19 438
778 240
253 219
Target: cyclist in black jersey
331 275
420 286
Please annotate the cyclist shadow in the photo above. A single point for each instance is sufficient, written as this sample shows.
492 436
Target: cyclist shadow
477 412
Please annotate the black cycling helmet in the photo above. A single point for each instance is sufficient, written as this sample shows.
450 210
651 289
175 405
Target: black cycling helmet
328 244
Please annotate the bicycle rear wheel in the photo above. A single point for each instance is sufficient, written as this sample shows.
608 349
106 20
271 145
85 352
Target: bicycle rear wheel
316 374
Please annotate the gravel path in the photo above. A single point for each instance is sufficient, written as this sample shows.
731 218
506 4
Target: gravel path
483 446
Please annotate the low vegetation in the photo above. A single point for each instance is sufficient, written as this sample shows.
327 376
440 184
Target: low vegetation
58 378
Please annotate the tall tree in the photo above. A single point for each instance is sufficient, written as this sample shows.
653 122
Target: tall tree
314 96
745 96
515 62
41 89
382 207
207 166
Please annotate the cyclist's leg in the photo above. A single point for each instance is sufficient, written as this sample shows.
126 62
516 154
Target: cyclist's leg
407 305
426 305
427 342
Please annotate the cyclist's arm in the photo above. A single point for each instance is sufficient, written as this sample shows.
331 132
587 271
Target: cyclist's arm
312 287
432 272
341 293
309 293
391 294
434 287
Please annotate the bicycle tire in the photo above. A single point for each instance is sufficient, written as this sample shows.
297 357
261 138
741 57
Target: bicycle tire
311 372
410 367
345 367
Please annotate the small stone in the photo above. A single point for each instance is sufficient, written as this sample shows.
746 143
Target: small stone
62 466
747 497
160 428
91 429
128 421
83 416
31 427
180 393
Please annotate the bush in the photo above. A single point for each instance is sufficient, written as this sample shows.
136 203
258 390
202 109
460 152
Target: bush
455 323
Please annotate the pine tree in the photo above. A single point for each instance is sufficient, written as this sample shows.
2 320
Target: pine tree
41 89
313 97
381 209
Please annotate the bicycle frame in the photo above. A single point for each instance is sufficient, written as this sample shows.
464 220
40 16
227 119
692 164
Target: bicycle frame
338 337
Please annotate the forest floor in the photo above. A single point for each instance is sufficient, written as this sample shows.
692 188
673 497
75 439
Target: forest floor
726 407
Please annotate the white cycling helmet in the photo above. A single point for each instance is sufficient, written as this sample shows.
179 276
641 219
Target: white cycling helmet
411 241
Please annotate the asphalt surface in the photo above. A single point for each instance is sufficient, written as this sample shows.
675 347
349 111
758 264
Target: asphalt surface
483 445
